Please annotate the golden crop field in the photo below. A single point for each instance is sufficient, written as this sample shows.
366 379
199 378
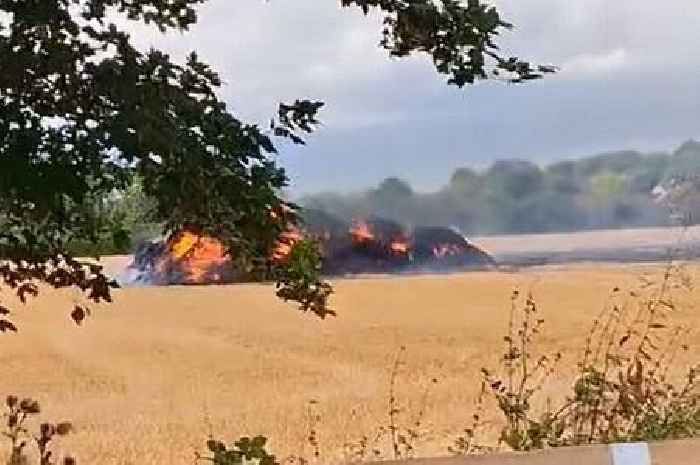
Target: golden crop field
148 378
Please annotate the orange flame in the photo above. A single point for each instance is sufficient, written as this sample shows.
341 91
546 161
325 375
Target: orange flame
199 258
361 232
286 243
196 256
399 247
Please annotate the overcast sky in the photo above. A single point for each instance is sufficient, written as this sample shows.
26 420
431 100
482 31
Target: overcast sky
630 79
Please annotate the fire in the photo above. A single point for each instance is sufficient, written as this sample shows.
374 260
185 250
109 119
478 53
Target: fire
361 232
288 238
399 247
192 258
195 256
286 243
373 245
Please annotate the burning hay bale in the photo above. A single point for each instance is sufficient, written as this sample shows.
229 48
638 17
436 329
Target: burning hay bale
374 245
184 258
443 249
382 246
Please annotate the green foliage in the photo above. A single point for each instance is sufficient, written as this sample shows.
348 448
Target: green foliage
459 36
126 217
685 160
392 189
465 182
243 451
300 279
522 378
611 162
607 186
514 179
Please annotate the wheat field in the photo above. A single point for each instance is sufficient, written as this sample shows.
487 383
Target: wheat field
147 379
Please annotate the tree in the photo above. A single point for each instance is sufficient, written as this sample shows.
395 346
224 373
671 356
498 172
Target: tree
562 177
83 112
685 161
391 190
514 178
613 162
460 38
607 186
465 182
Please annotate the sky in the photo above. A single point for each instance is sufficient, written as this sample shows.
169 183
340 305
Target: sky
629 79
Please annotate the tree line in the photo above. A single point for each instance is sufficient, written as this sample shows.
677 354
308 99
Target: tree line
608 190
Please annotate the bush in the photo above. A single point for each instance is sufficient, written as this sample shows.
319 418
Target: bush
245 450
623 390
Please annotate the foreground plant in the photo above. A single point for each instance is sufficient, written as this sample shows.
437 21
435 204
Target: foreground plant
398 438
521 378
244 450
18 413
623 390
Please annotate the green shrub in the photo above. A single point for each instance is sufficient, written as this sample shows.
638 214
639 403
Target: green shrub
243 451
622 391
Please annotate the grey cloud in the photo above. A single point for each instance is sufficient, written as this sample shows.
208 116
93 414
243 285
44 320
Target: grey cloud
650 32
629 79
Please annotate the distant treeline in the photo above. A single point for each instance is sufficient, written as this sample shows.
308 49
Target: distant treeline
608 190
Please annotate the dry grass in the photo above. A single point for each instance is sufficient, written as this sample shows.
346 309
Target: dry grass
152 375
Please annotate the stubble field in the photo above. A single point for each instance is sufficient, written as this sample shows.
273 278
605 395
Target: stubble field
149 378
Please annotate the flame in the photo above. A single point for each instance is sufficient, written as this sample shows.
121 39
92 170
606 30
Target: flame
193 258
399 247
288 238
189 257
197 257
286 242
361 232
